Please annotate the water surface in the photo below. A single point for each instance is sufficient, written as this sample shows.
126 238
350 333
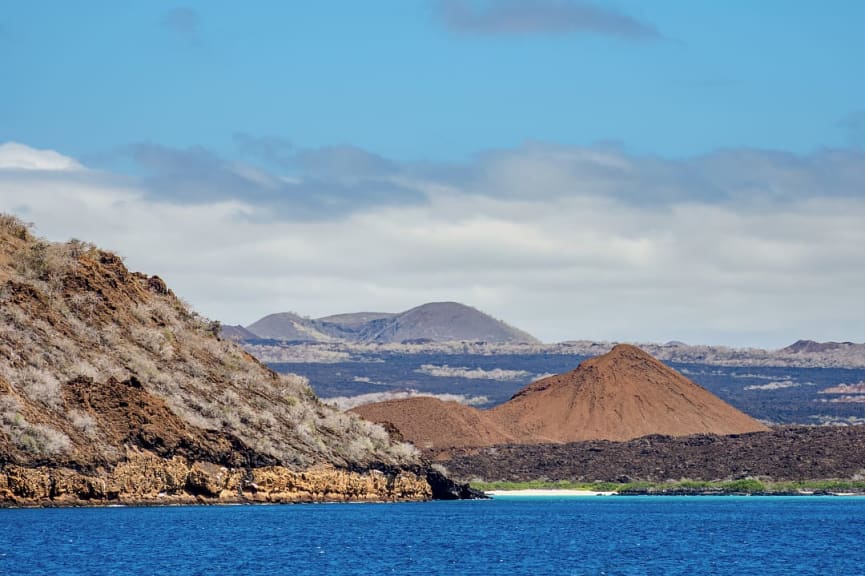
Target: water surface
590 535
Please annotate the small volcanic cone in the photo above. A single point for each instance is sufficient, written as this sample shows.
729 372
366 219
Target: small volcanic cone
623 394
430 423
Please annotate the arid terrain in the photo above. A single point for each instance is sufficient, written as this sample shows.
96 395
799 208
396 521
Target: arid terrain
620 417
113 389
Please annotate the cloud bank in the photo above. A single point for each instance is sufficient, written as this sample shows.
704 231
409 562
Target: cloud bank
14 156
740 247
539 17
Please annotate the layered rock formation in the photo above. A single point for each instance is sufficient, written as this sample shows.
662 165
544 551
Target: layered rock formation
621 395
112 389
143 477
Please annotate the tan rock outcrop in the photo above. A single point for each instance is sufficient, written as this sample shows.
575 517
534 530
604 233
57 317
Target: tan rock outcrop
146 478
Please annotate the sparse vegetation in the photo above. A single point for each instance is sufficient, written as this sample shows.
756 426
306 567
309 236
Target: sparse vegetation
70 310
34 439
14 227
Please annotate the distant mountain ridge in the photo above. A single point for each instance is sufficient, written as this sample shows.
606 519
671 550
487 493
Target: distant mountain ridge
431 322
812 347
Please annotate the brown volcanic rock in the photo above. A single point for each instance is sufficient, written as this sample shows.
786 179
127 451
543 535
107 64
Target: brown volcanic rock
430 423
621 395
783 454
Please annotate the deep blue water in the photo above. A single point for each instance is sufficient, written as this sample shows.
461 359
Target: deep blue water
594 535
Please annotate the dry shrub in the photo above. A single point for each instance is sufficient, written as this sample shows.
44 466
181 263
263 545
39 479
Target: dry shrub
176 354
37 439
14 227
83 422
40 386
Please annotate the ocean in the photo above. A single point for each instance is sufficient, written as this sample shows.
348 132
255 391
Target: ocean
600 535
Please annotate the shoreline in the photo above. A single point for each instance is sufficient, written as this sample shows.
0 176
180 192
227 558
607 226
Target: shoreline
553 492
569 493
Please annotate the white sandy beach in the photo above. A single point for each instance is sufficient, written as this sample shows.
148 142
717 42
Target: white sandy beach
534 492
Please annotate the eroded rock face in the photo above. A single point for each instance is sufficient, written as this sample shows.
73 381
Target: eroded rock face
144 478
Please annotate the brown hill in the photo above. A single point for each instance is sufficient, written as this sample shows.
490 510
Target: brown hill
621 395
111 388
430 423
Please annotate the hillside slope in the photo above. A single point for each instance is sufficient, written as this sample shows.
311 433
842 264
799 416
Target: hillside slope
111 388
431 423
620 395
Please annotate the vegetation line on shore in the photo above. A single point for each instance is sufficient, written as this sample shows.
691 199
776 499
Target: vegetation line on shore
685 486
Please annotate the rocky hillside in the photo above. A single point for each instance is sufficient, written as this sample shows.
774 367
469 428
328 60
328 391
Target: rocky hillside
620 395
111 388
433 322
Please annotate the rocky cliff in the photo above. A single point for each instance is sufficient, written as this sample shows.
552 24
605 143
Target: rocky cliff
113 390
143 477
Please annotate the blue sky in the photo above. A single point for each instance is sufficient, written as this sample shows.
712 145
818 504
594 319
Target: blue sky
447 140
399 79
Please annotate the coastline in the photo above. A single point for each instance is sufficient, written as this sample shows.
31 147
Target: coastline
568 493
551 492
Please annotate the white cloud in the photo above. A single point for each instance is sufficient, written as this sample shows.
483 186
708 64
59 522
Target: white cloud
569 250
14 156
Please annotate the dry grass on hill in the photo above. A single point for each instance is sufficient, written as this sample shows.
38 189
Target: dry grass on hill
75 323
